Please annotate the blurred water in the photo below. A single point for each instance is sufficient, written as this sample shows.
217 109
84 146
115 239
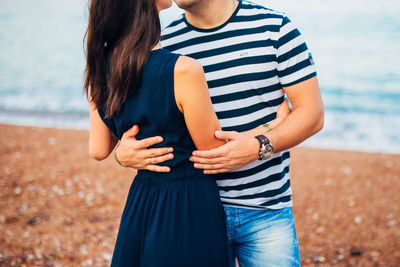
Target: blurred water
355 44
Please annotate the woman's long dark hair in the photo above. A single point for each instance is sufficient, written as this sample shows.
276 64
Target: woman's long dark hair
123 32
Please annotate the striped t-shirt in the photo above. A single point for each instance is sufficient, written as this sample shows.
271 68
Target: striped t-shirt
247 61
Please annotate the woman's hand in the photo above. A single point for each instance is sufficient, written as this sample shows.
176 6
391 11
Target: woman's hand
135 153
283 111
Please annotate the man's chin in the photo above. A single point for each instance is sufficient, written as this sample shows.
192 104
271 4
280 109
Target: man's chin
187 4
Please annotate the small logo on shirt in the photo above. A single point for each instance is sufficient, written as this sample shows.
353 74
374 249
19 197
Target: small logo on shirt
310 59
244 53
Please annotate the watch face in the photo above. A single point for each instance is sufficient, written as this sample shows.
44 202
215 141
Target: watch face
266 148
266 152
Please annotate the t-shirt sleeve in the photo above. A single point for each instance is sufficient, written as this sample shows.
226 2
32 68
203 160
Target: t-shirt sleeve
109 122
295 62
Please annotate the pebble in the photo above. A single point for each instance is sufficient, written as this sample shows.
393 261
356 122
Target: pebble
38 253
32 221
75 178
340 251
35 219
52 141
57 190
17 190
355 251
96 219
83 250
369 183
31 187
106 244
351 203
26 235
7 170
107 256
11 219
68 221
81 194
392 223
374 254
315 216
56 242
68 183
389 164
357 220
25 207
347 170
89 262
89 199
2 218
340 257
78 147
319 259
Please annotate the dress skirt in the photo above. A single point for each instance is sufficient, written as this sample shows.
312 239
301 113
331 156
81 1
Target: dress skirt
172 219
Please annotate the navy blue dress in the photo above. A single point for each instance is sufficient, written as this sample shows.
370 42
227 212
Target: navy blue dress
170 219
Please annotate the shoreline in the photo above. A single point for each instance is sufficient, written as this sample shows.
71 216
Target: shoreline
71 124
59 206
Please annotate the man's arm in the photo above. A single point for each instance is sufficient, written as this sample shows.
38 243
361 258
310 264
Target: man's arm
306 119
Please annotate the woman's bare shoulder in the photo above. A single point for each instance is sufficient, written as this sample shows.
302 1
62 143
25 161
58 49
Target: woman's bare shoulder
187 66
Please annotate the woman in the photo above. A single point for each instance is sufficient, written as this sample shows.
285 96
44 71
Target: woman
170 219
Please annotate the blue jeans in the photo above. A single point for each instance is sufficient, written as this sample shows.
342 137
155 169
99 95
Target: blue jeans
262 237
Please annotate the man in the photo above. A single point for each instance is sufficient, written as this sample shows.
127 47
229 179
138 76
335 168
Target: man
252 56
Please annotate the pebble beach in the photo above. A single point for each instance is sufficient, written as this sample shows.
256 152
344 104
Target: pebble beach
59 207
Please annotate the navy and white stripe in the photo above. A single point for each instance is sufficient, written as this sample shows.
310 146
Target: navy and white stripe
247 61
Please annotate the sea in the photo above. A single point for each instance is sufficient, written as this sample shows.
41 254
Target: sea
355 45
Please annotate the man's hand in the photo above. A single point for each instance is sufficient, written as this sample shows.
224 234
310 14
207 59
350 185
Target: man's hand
237 152
135 153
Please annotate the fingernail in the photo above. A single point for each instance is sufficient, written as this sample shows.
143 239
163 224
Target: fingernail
159 139
196 166
170 149
170 156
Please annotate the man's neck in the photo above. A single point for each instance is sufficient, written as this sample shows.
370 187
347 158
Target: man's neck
211 14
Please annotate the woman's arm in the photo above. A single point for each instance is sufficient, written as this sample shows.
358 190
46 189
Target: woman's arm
193 100
101 140
283 111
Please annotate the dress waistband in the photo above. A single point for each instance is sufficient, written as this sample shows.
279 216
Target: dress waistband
186 174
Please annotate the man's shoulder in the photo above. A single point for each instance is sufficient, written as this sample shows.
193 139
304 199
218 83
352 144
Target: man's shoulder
254 8
176 24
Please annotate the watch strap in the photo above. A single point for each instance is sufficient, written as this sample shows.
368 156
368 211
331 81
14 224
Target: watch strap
263 140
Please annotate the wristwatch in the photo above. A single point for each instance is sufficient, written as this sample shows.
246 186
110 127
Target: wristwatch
266 148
